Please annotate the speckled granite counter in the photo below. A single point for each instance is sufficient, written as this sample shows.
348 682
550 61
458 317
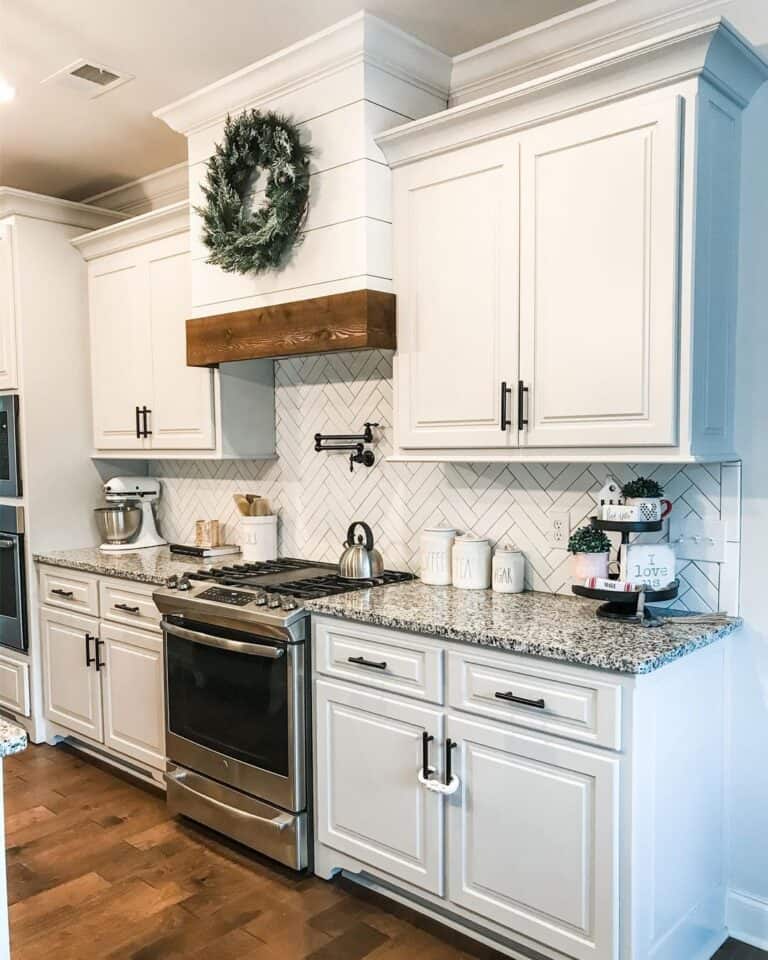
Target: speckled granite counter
540 624
149 565
13 739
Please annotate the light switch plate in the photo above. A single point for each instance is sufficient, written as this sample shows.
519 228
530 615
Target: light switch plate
697 539
559 528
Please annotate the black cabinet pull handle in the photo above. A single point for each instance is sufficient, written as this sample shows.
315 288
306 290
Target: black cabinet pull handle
378 664
127 608
88 658
449 746
145 411
138 424
511 698
426 739
522 422
506 391
63 593
99 663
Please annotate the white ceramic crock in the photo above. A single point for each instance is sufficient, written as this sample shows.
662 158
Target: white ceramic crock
508 570
436 545
258 538
471 562
585 565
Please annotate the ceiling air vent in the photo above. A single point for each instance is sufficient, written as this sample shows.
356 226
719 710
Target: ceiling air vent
88 79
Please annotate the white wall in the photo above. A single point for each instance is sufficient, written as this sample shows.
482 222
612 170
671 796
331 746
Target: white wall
748 881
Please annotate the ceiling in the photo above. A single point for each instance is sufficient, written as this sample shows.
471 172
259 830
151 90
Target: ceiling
55 141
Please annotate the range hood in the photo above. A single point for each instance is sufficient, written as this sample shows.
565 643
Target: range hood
360 320
342 87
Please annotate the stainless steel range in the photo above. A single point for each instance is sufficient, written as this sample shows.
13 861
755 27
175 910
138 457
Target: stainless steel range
237 698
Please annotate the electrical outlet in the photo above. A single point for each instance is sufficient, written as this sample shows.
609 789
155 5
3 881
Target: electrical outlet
559 528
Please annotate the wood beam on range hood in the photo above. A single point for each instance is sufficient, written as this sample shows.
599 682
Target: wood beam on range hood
360 320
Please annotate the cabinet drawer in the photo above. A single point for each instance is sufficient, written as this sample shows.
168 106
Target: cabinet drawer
562 702
125 601
14 685
384 659
79 592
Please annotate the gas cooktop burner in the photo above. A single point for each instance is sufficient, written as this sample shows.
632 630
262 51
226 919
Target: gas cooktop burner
272 588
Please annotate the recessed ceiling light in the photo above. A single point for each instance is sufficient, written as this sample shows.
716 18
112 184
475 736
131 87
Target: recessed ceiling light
7 92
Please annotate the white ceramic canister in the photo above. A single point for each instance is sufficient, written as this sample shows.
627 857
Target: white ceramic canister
471 562
436 544
508 570
258 538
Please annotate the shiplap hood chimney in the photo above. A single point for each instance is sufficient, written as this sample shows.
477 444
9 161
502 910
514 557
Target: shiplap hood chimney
343 86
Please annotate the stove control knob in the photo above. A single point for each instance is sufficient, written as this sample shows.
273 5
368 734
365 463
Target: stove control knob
273 603
172 583
184 584
261 599
288 603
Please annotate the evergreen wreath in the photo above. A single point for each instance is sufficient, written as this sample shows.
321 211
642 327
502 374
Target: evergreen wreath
242 239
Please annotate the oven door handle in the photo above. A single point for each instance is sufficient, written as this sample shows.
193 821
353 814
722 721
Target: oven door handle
234 646
7 544
281 822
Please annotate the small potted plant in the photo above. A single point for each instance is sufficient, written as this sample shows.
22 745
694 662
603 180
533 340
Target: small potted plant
647 495
590 548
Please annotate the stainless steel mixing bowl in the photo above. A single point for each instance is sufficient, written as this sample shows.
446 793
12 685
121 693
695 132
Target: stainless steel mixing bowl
118 523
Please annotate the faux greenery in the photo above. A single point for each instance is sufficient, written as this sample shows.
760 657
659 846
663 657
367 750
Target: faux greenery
242 239
589 540
642 487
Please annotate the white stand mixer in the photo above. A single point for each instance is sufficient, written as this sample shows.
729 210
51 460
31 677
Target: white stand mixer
128 523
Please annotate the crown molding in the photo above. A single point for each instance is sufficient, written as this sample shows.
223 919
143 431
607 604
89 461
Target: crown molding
360 39
713 50
37 206
156 225
583 34
160 189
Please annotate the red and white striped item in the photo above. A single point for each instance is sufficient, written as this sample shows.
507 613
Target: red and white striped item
619 586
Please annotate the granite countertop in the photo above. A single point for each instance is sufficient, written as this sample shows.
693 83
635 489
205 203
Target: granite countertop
13 738
148 565
547 625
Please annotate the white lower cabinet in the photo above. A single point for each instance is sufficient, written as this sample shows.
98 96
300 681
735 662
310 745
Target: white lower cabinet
105 681
533 836
371 804
72 683
134 719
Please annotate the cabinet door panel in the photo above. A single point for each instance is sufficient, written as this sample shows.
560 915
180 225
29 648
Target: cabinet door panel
72 690
456 222
599 254
134 715
182 411
8 369
370 803
120 352
547 866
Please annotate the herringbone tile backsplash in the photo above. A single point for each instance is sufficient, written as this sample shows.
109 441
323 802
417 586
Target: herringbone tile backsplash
317 496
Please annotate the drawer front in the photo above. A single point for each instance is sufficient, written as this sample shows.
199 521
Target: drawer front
385 659
124 601
14 685
79 592
554 700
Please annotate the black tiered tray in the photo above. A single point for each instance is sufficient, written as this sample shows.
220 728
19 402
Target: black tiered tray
623 606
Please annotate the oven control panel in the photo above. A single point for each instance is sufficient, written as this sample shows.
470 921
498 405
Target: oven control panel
220 595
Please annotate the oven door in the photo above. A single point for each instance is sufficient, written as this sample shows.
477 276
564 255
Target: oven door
10 471
13 601
235 709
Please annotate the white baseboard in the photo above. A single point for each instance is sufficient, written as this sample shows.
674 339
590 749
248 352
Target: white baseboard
747 918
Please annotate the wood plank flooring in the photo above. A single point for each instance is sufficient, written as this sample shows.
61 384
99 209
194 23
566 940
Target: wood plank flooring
98 871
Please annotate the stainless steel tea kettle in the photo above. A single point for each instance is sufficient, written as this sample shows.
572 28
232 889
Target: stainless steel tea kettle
360 561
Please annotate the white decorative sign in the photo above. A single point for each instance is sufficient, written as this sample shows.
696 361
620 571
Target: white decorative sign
650 565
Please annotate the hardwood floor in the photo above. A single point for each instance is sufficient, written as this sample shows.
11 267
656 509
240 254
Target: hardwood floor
97 870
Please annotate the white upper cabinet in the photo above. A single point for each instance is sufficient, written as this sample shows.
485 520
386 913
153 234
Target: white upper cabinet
145 397
565 260
8 374
598 291
456 259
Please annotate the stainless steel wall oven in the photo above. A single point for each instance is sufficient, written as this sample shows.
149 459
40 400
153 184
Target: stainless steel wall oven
13 593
